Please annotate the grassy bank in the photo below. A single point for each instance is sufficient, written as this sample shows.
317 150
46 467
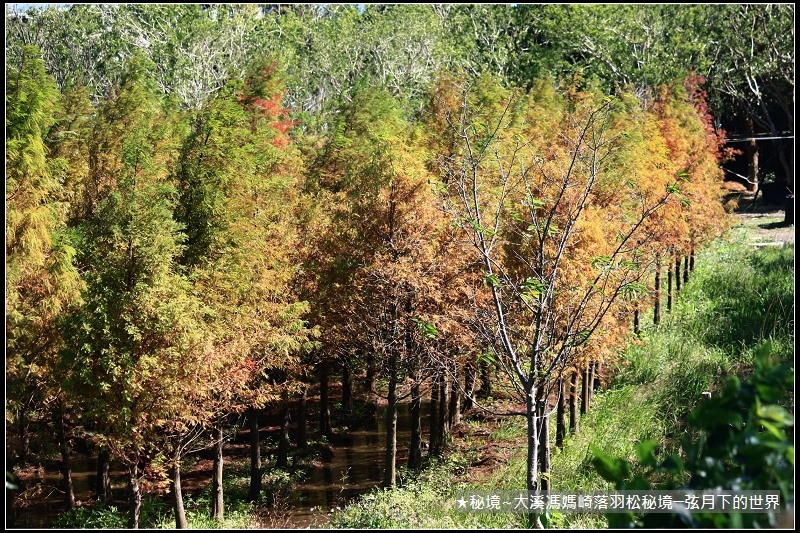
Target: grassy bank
739 299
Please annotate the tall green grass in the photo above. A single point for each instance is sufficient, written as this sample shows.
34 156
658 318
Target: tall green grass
738 298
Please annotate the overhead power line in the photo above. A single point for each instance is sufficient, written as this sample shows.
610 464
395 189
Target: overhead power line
748 139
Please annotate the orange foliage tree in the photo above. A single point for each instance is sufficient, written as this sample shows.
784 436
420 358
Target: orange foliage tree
555 193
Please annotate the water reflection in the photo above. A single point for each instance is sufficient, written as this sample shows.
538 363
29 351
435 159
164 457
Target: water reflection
44 501
355 467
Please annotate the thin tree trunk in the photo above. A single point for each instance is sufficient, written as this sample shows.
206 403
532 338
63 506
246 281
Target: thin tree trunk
596 375
686 270
442 414
469 387
677 274
691 259
415 448
390 473
590 390
585 391
103 486
574 419
669 289
177 493
66 463
657 295
324 404
434 414
486 380
751 153
454 414
561 413
254 494
134 497
370 378
544 442
11 494
282 460
302 419
23 428
636 328
347 389
217 501
532 470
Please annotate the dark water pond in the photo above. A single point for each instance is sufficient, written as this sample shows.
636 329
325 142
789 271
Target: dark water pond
355 467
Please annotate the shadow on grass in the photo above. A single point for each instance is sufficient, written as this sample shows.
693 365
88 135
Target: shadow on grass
776 225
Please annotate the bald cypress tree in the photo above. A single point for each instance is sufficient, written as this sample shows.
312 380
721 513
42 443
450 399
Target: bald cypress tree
41 278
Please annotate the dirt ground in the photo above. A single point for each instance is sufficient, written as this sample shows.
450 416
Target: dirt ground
765 225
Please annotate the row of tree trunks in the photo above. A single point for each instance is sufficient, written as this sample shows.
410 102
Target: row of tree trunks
446 405
576 402
445 412
688 267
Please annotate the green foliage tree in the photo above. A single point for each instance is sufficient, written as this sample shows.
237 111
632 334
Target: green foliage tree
751 78
41 277
239 178
136 349
636 46
80 46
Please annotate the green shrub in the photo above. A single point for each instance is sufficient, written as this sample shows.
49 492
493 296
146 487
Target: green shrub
100 516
